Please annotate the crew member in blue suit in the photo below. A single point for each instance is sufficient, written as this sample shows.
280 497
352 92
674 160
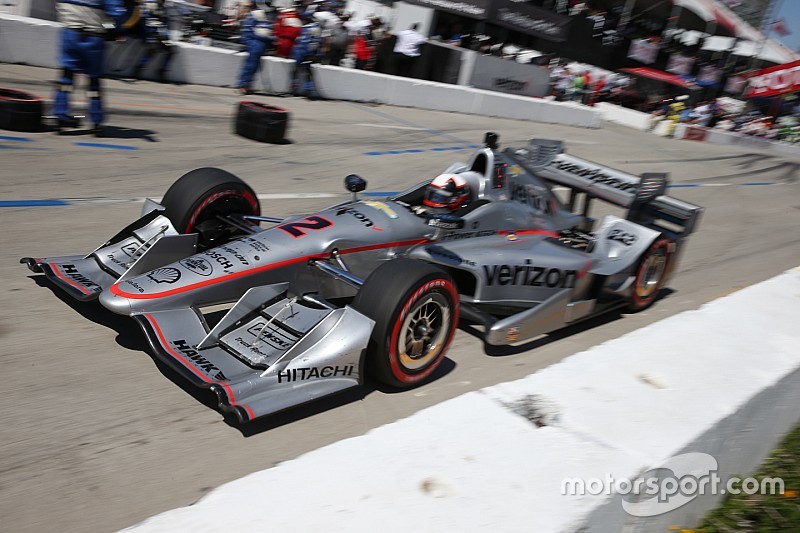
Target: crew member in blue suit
156 40
87 23
306 52
257 36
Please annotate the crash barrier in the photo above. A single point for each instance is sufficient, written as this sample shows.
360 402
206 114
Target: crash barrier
624 116
712 135
705 394
34 42
345 84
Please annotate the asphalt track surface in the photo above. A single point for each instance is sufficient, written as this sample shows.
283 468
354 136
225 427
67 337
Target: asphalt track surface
97 435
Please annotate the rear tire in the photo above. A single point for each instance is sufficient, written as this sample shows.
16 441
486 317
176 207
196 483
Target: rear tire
193 202
20 111
261 122
415 309
651 273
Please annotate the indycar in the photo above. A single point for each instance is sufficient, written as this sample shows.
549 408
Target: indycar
311 304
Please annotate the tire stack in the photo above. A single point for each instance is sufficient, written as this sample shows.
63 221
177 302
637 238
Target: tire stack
20 111
262 122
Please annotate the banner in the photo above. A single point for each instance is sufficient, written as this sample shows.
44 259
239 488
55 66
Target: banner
643 51
496 74
773 81
529 19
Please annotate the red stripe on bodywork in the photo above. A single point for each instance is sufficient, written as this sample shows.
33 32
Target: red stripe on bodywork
65 279
136 296
528 232
191 367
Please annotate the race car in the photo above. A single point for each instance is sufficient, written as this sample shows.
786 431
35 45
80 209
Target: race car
314 303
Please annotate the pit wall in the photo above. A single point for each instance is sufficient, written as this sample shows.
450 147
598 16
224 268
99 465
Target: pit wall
35 42
722 380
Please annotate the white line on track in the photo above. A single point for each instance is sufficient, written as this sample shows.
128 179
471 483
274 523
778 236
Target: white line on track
265 196
392 126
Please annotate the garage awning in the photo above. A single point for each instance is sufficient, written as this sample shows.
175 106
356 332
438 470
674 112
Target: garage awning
659 75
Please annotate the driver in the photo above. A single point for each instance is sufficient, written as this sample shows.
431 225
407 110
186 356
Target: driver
447 192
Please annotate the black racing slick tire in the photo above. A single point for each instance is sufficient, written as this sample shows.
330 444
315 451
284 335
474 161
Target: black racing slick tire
415 309
194 202
261 122
651 273
20 111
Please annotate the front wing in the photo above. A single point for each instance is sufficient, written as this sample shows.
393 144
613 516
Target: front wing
294 368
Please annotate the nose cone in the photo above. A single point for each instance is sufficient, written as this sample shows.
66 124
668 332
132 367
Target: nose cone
117 304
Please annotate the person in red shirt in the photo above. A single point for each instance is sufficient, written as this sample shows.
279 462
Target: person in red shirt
598 90
363 48
287 27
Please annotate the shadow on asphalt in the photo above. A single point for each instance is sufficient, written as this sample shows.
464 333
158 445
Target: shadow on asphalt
109 132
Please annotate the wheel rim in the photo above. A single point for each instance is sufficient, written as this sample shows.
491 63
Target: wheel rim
424 332
652 270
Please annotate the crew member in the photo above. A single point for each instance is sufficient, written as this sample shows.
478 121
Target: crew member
257 36
406 50
86 25
306 52
156 40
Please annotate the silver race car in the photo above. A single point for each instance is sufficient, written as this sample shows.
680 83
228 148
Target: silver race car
315 302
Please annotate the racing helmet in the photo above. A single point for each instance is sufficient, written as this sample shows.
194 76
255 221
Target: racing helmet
447 191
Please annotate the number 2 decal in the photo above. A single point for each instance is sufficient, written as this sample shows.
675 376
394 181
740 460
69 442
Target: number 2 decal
298 229
622 236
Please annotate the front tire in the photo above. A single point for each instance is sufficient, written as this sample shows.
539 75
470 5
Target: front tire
195 201
651 273
415 308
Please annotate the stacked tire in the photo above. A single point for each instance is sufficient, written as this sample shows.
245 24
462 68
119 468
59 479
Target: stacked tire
262 122
20 111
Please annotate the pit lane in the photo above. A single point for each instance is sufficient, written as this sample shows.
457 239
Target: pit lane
97 435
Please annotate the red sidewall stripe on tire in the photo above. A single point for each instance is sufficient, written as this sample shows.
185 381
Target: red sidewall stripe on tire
6 96
264 107
661 243
245 195
393 357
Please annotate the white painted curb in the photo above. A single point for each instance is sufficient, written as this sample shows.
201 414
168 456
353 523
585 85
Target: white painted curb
723 380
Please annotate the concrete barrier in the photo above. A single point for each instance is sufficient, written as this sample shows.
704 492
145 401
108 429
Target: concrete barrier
345 84
28 41
715 136
35 42
723 380
623 115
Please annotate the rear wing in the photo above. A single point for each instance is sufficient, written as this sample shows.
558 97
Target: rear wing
643 196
